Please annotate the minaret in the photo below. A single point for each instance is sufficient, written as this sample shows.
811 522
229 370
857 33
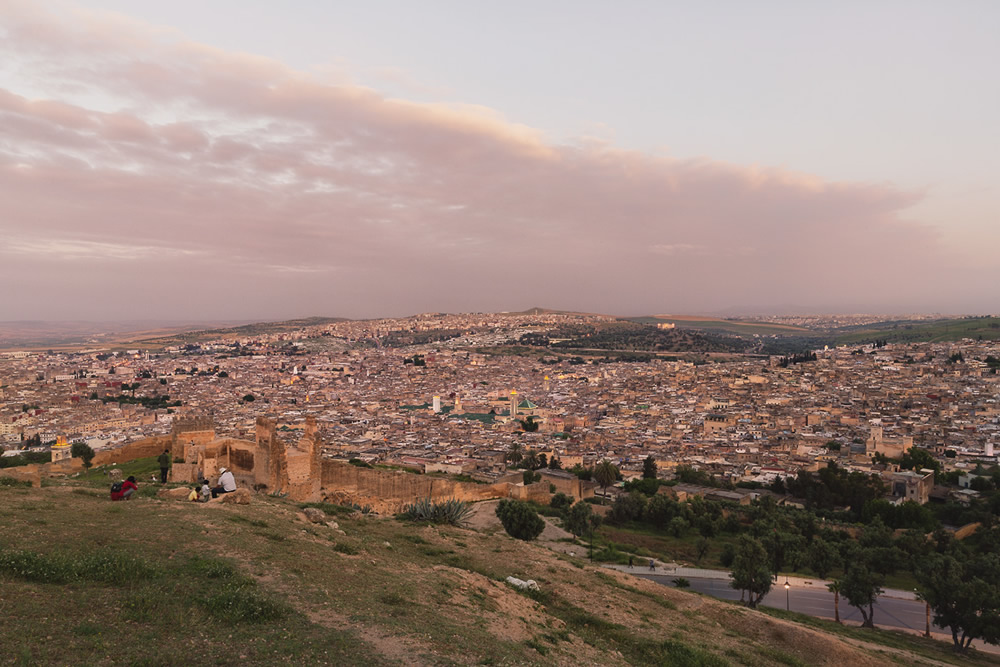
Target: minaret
513 403
458 404
61 450
437 404
546 385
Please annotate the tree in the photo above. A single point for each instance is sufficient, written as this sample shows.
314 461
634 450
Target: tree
627 507
834 587
751 574
916 458
578 519
862 586
605 474
823 557
529 425
701 548
82 450
963 592
561 501
543 461
514 453
530 460
649 467
530 477
678 526
249 398
554 463
519 520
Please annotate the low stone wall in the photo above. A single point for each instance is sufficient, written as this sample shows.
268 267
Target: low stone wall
29 473
139 449
537 492
390 490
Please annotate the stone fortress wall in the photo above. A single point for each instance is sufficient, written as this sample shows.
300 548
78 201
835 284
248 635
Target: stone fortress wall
270 465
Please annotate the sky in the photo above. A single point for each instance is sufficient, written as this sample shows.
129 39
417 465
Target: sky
228 159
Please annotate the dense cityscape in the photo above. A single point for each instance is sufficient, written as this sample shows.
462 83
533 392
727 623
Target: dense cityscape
452 405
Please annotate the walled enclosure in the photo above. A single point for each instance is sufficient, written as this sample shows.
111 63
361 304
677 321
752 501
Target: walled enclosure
296 469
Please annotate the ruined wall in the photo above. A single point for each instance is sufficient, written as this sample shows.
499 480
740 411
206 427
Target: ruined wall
388 491
302 465
240 456
537 492
29 473
273 472
186 443
139 449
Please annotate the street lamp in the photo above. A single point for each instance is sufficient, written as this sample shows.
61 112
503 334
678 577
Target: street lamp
787 586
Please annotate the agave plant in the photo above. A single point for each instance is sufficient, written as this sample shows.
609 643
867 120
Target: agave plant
454 512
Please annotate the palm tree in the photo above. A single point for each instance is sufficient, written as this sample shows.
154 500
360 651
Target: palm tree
605 474
834 587
514 453
530 460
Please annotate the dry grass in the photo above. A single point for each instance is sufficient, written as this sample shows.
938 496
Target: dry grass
257 585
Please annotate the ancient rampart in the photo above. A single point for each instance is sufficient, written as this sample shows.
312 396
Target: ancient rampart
389 490
139 449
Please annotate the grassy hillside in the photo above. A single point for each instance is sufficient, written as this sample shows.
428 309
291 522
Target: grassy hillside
157 582
923 331
739 327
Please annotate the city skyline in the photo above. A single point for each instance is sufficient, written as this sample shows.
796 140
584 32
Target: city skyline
159 165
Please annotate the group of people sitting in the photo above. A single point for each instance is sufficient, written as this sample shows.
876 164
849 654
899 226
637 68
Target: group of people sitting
200 492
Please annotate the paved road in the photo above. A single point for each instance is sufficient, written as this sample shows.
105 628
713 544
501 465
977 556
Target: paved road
890 612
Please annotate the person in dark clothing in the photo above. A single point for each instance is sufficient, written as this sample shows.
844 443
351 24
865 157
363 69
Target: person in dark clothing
164 460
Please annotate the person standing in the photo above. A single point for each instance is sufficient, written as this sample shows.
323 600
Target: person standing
164 460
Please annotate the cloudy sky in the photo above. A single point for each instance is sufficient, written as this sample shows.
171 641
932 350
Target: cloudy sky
235 159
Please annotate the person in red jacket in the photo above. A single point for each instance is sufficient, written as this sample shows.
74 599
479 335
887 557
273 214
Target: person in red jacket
128 488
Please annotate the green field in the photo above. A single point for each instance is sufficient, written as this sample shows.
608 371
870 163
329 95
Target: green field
739 327
987 328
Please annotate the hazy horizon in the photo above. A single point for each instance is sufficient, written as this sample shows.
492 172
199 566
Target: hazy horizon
244 161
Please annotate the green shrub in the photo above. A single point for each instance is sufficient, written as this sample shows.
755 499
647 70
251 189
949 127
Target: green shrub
10 481
330 509
107 567
345 548
113 567
36 567
519 520
210 568
242 602
561 501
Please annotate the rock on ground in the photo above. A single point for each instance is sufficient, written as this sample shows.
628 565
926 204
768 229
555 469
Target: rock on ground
237 497
315 515
180 493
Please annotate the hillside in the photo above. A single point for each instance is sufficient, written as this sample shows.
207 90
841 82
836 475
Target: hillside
907 331
159 582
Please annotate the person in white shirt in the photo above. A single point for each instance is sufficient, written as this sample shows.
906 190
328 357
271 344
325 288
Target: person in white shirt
227 483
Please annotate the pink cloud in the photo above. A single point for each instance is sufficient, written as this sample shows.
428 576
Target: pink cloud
383 205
